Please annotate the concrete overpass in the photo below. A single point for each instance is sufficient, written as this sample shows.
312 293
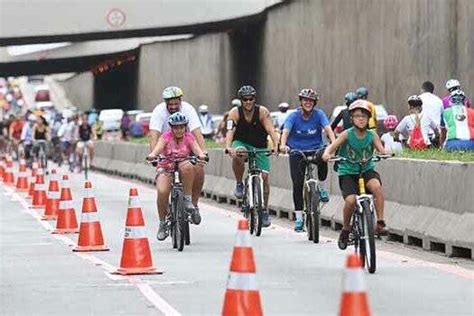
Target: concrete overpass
43 21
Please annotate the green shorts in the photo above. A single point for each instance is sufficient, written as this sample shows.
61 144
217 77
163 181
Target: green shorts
263 161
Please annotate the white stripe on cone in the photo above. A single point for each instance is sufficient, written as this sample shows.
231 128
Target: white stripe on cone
354 280
88 193
54 195
89 217
243 239
65 205
242 281
133 201
40 187
135 232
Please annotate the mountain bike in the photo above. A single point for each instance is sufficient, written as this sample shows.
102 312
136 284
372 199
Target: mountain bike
252 200
177 221
362 234
313 204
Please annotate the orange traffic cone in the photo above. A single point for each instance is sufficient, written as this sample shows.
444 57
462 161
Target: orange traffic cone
136 253
22 181
31 190
39 196
242 296
354 298
8 177
67 222
52 202
90 232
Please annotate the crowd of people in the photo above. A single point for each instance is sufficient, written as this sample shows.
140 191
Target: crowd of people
176 128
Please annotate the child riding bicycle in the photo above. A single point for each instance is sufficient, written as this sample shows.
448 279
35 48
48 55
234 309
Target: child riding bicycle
177 143
358 143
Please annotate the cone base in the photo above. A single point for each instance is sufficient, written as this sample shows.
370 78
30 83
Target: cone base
22 189
90 248
65 231
49 217
136 271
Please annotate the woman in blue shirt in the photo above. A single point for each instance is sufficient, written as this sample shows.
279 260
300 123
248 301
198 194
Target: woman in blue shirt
302 130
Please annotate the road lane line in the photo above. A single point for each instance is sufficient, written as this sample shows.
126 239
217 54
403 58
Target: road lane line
146 290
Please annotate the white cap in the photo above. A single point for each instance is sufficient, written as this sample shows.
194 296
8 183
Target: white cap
452 83
236 102
283 105
203 108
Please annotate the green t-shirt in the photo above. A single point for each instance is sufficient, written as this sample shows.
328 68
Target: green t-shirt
356 149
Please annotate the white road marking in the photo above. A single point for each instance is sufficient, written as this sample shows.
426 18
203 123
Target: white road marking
146 290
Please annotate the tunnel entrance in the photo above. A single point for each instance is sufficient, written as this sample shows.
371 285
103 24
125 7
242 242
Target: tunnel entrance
115 83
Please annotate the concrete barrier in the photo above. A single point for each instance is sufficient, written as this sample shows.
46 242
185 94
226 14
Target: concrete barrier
429 203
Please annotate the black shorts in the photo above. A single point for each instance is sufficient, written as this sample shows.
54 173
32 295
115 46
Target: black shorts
349 184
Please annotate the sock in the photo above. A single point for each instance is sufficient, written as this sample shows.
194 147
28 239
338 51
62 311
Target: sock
322 184
299 215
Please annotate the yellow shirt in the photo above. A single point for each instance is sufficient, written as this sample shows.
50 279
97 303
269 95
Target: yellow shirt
373 116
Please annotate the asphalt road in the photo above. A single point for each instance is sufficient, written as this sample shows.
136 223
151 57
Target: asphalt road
40 275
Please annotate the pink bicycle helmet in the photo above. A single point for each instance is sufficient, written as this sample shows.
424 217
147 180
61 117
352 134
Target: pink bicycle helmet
390 122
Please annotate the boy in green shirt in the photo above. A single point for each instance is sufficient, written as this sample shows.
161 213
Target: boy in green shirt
357 143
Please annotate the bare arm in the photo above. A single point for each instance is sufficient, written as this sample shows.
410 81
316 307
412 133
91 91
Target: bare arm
378 144
199 139
153 136
330 133
197 149
283 139
267 123
442 136
234 116
160 145
331 149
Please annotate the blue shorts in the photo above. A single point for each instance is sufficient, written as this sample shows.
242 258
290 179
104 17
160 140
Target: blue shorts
457 144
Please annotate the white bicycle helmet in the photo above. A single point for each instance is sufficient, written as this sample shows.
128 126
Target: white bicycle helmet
452 83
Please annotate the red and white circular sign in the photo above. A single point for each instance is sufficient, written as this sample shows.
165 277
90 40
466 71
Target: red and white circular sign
116 17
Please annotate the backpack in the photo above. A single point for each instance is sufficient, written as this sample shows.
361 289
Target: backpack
417 142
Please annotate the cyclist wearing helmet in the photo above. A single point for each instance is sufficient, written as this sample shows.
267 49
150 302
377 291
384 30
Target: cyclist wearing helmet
416 117
303 131
344 115
457 124
27 137
453 85
281 117
363 93
247 128
173 103
357 143
175 143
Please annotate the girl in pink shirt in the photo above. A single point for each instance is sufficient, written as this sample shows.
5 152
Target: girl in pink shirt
176 144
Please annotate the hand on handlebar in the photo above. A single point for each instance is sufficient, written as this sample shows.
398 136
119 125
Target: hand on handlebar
230 151
284 149
326 157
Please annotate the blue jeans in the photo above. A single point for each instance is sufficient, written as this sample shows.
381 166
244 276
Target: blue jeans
458 144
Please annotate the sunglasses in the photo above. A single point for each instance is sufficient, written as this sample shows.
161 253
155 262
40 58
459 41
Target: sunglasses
248 99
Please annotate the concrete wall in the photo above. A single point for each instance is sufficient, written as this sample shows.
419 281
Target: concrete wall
79 90
427 202
390 46
200 66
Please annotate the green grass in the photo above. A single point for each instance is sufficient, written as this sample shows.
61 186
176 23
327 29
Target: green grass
429 154
144 140
439 154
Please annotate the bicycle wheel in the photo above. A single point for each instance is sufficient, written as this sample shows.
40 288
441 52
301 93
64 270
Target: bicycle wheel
85 160
309 206
246 208
178 211
257 206
187 235
314 211
367 243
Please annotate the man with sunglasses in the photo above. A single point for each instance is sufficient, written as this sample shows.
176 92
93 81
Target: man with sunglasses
248 127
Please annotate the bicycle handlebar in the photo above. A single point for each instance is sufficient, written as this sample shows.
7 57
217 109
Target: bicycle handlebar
374 158
267 152
191 159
